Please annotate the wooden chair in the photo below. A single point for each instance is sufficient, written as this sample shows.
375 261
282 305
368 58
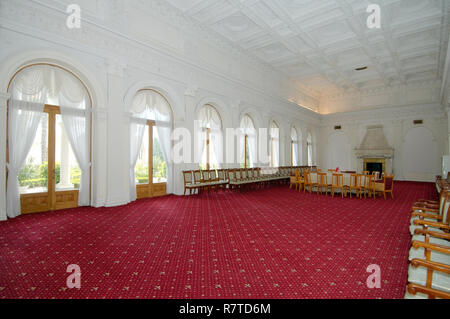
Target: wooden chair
355 184
198 181
206 180
295 180
387 186
337 181
188 182
309 183
371 190
322 183
365 187
429 270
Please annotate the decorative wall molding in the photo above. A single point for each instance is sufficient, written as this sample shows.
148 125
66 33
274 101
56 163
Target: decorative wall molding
385 114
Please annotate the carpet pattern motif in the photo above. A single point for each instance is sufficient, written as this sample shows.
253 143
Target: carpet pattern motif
272 243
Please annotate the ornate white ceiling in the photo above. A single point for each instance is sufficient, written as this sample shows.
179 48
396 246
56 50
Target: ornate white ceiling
319 43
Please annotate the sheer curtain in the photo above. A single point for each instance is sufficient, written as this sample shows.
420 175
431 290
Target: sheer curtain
294 139
210 119
248 128
73 101
275 148
163 125
217 147
251 140
26 106
309 150
137 129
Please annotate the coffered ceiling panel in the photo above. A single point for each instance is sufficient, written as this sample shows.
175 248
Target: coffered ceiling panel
320 43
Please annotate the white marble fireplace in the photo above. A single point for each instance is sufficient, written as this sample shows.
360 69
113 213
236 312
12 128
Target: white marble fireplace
375 148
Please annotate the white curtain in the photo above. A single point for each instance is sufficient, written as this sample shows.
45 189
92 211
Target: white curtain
164 133
24 118
217 147
137 130
294 139
209 118
163 125
26 106
73 100
248 128
309 149
275 147
251 140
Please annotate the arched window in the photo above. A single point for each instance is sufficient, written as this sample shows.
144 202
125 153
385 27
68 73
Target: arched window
211 138
294 147
150 129
248 142
309 146
48 153
274 145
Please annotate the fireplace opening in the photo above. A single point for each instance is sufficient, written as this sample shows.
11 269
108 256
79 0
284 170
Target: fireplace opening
374 167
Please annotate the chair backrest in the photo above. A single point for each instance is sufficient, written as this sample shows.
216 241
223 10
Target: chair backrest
366 180
237 174
244 173
331 170
444 207
206 176
372 180
221 174
231 175
389 182
377 175
297 174
322 178
337 179
187 175
197 177
307 177
213 174
355 180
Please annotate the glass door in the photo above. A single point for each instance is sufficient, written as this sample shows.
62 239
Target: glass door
50 178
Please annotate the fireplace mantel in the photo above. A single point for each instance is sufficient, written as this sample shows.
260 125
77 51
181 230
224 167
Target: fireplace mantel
375 146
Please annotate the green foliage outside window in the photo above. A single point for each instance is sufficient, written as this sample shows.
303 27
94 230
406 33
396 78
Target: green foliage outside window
36 175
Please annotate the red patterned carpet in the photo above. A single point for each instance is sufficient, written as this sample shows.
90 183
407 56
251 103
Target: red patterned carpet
273 243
